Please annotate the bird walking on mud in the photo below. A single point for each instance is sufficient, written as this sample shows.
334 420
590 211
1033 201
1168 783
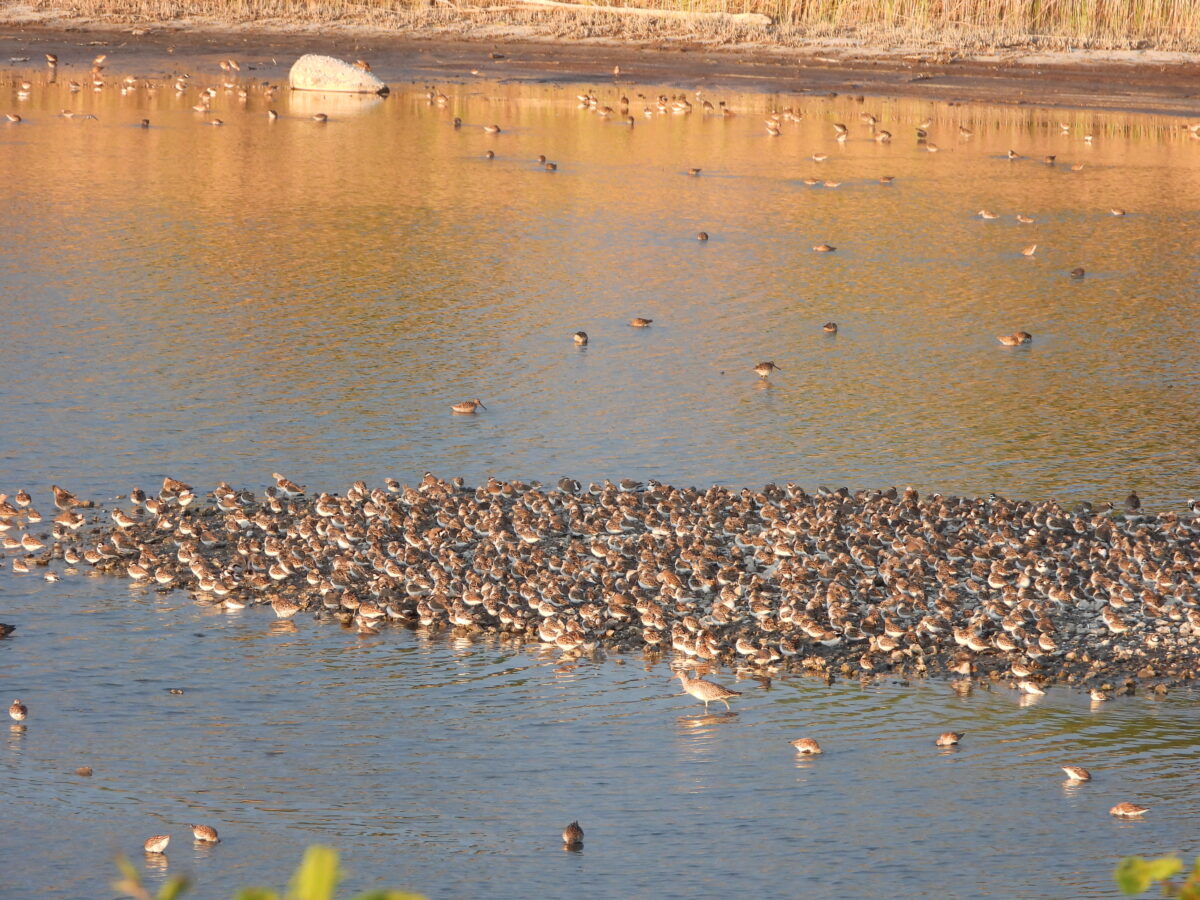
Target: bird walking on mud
764 369
706 691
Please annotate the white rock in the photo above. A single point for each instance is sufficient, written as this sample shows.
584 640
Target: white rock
312 72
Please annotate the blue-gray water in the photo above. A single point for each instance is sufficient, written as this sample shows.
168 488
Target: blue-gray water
221 303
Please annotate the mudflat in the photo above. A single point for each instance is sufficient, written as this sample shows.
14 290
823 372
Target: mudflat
1132 80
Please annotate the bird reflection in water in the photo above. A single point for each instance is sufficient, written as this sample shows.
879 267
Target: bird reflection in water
283 626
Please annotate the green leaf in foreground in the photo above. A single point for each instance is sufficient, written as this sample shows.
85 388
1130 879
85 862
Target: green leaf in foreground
1135 874
318 875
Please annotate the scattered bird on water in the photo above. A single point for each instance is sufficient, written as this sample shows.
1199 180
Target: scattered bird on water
1098 696
824 248
573 836
988 214
1015 339
491 129
639 322
320 117
820 157
1117 211
702 236
14 118
886 179
156 844
949 738
145 123
1077 773
1133 501
1025 220
51 60
1078 272
1013 154
694 172
468 406
1030 688
18 711
1030 250
706 691
22 498
764 369
830 327
806 746
581 338
205 833
272 115
84 771
1127 810
6 630
551 167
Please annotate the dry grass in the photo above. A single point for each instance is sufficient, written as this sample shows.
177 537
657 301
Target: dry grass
961 24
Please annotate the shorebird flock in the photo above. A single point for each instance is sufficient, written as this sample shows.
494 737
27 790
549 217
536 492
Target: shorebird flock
834 583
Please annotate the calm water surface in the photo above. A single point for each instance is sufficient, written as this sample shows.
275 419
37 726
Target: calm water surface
221 303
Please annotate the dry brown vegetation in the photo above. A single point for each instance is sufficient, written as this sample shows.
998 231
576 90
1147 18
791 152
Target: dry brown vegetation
950 24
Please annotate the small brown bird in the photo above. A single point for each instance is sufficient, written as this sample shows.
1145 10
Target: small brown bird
1078 272
829 328
84 771
824 248
639 322
1077 773
581 338
573 836
491 129
1030 250
949 738
468 406
1015 339
806 746
764 369
156 844
18 711
1127 810
702 236
693 172
204 833
320 117
491 154
1133 501
1117 211
51 60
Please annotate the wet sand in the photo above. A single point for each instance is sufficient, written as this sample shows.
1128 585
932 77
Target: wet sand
1142 81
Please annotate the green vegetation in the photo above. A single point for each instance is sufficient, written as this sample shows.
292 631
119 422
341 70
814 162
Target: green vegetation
317 878
1136 875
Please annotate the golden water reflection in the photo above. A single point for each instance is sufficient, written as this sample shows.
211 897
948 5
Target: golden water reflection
199 299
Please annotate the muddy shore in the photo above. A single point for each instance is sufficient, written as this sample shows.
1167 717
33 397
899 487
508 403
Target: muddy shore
1133 81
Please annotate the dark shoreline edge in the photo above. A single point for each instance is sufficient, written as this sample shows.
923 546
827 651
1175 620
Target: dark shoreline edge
1089 81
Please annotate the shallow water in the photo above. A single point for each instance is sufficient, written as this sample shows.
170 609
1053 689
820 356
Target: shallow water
221 303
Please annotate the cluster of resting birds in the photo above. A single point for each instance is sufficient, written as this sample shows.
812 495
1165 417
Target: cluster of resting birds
832 583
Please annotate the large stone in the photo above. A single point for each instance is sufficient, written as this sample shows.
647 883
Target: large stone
312 72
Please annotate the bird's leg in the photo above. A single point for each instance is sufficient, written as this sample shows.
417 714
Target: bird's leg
726 702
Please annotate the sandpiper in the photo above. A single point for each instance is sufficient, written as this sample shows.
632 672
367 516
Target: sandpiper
824 248
581 338
156 844
320 118
639 322
1077 773
1127 810
949 738
204 833
1030 250
702 236
284 608
706 691
806 746
987 214
491 129
830 328
18 711
764 369
573 835
1078 272
467 407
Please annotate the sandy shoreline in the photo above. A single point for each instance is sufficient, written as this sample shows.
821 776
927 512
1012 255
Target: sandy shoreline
1135 81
